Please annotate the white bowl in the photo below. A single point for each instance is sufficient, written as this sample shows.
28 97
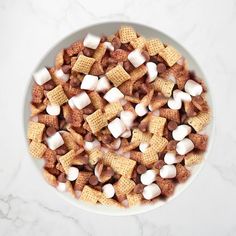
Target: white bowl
110 28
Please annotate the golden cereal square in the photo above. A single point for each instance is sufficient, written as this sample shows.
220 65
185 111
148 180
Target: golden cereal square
66 160
158 143
170 114
154 46
156 125
134 199
127 34
170 55
200 121
138 73
99 52
90 195
149 156
57 96
112 110
35 131
124 186
193 158
48 120
37 149
83 64
138 43
164 86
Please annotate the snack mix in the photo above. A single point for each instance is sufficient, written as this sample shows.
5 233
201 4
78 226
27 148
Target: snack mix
119 120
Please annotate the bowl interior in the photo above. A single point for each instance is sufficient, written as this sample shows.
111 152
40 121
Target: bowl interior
110 28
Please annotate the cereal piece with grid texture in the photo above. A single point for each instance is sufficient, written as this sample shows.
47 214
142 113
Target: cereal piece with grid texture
126 88
127 34
131 146
82 180
109 202
50 158
200 121
97 101
138 43
136 156
134 199
51 179
112 110
154 46
37 149
164 86
124 186
57 96
138 73
90 195
35 110
170 114
149 157
94 156
193 158
49 120
69 141
99 52
83 64
138 135
158 143
66 160
35 131
158 102
37 94
199 140
156 125
170 55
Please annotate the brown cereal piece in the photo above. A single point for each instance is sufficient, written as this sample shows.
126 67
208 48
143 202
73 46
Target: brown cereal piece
112 110
97 101
189 109
149 157
57 96
66 110
66 160
154 46
87 127
94 156
170 55
117 75
131 146
156 125
50 158
158 102
82 180
76 117
70 91
193 158
127 34
128 107
76 136
37 149
166 185
147 98
158 143
48 120
181 81
200 121
96 121
51 179
182 173
99 52
126 88
90 195
59 61
199 140
37 94
69 141
200 103
36 110
109 202
136 156
35 131
132 99
138 73
120 55
138 43
134 199
170 114
60 167
139 136
72 61
96 69
83 64
164 86
124 186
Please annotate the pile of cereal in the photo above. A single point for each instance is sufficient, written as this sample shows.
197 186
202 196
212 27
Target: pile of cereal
118 120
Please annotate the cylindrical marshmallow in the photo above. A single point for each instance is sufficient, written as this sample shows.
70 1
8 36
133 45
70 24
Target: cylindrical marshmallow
151 191
108 190
81 100
42 76
126 134
53 109
109 46
148 177
174 104
91 41
71 103
55 141
184 146
88 146
143 146
116 127
61 75
171 158
178 94
103 84
136 58
89 82
73 173
181 132
61 187
193 88
113 95
127 118
168 171
152 71
140 109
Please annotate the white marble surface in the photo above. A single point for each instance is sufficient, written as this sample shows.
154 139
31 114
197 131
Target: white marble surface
29 28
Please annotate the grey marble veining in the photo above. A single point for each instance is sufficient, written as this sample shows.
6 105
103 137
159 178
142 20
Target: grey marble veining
29 28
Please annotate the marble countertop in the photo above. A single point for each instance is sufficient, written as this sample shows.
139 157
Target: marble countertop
29 28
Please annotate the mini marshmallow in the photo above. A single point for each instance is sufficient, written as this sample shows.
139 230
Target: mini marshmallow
55 141
178 94
148 177
174 104
89 82
152 71
126 134
151 191
168 171
140 109
53 110
116 127
61 75
184 146
127 118
73 173
88 146
116 144
91 41
61 187
103 84
109 46
81 100
143 147
193 88
171 158
136 58
42 76
71 103
113 95
108 190
181 132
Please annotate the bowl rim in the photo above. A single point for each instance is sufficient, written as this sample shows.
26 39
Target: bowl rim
140 210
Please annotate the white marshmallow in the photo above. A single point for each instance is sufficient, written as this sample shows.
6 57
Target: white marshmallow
116 127
81 100
88 146
103 84
55 141
178 94
140 109
108 190
117 143
151 191
53 109
42 76
181 132
152 71
89 82
61 187
109 46
193 88
113 95
71 103
73 173
184 146
136 58
61 75
127 118
171 158
148 177
168 171
174 104
91 41
126 134
143 147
